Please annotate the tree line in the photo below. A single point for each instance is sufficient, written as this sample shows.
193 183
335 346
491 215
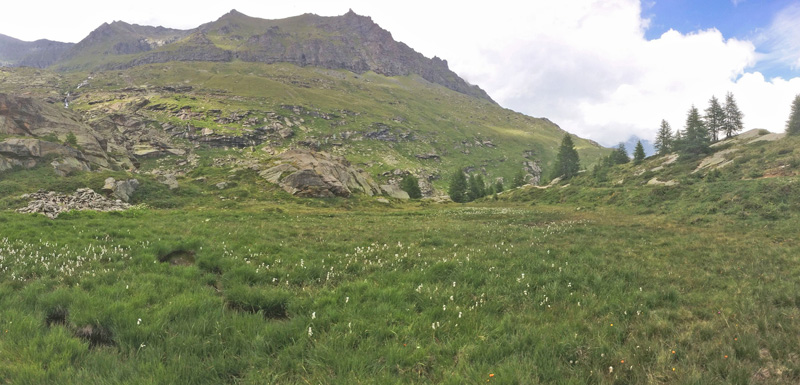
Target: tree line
700 131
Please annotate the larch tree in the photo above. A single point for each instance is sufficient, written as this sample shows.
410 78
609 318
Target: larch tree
519 179
567 161
733 116
695 140
638 153
793 124
715 118
458 187
410 184
664 138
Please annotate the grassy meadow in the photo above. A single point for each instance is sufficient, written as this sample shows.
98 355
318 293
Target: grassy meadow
350 291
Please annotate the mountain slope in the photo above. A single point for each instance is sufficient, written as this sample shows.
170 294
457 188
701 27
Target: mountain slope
39 53
339 85
350 42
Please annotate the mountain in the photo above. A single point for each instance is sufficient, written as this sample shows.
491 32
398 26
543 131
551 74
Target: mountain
351 42
39 53
630 145
334 85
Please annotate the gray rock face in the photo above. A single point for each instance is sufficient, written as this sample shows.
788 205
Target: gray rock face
169 180
122 189
51 203
44 127
534 172
307 173
394 191
27 153
351 42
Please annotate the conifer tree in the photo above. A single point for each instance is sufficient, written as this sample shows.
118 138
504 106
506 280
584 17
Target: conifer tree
567 161
474 191
664 138
519 179
733 117
695 139
793 124
620 155
498 186
482 191
638 153
714 118
458 187
410 184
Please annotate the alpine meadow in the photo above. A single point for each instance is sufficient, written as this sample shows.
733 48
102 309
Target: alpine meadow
309 201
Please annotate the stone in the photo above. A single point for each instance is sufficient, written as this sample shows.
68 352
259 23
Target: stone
51 204
308 173
122 189
69 165
145 150
394 191
221 185
125 189
169 180
274 174
656 182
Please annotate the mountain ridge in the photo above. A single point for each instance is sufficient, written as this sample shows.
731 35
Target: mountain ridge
350 41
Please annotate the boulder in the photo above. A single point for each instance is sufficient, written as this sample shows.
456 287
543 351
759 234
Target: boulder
169 180
69 165
308 173
122 189
394 191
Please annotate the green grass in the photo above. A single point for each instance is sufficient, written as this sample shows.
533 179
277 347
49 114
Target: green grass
412 294
436 119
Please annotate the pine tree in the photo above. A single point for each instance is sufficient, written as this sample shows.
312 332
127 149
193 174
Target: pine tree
482 191
498 186
695 139
71 140
567 161
519 179
714 118
793 124
620 155
474 191
458 187
664 138
733 117
638 153
410 184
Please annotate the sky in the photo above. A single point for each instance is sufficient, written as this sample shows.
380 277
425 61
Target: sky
601 69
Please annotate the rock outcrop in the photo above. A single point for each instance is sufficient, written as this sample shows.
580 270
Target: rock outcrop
27 153
121 189
41 131
51 203
308 173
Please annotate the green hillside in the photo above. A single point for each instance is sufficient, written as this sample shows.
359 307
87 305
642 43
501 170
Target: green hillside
342 113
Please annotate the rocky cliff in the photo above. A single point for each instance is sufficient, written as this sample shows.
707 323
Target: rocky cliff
350 42
33 131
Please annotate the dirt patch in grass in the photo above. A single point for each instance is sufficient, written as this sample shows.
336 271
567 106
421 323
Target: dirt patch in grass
179 257
56 316
96 335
